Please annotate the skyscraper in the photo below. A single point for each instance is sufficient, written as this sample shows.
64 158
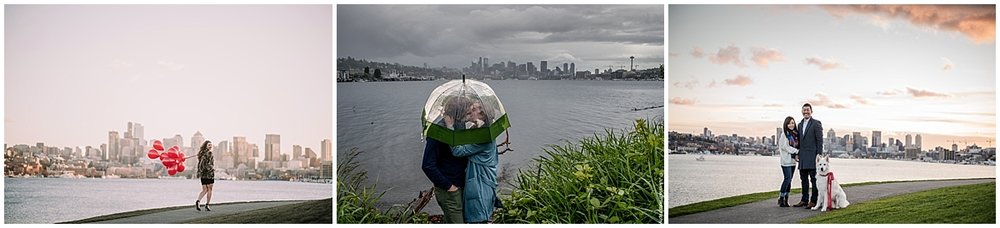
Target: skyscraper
241 151
572 68
114 146
876 138
777 133
296 151
918 144
196 140
326 150
544 65
909 140
565 67
272 147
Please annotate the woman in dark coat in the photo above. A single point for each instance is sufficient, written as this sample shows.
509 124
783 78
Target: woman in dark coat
206 171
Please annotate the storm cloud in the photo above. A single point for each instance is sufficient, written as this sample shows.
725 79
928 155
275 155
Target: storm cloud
452 35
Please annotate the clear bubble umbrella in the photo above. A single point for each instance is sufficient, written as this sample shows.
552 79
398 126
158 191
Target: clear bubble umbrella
464 112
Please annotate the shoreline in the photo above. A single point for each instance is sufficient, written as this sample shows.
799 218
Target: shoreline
134 213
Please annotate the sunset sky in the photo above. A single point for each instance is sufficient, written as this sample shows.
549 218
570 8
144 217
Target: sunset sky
925 69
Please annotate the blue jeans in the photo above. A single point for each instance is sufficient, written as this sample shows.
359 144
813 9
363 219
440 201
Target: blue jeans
809 176
786 182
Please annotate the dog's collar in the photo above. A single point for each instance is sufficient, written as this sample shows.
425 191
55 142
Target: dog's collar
827 173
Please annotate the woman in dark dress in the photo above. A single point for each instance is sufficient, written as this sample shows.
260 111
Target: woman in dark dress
206 171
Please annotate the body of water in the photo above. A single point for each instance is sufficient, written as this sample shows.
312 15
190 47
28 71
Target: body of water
51 200
383 120
719 176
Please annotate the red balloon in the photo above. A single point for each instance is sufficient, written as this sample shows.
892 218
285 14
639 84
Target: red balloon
153 154
180 167
181 157
171 171
158 145
172 155
175 149
169 162
164 156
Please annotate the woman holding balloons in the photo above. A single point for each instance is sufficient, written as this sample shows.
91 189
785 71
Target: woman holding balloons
206 171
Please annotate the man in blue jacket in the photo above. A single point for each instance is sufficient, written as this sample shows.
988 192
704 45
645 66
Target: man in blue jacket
447 172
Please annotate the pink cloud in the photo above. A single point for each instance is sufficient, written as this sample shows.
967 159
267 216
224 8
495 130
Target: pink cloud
710 85
763 56
976 22
823 101
947 64
697 52
924 93
690 84
728 55
860 99
681 101
824 64
739 80
889 92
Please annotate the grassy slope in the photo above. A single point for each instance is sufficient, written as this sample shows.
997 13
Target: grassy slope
317 211
136 213
748 198
959 204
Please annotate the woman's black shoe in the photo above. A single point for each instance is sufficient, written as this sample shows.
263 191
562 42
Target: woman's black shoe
196 207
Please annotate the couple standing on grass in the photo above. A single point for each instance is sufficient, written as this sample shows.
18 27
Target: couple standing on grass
800 144
464 176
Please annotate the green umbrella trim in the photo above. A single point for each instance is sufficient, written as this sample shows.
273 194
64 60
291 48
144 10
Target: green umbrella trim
466 136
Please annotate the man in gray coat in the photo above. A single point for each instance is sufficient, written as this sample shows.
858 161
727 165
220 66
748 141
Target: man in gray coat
810 146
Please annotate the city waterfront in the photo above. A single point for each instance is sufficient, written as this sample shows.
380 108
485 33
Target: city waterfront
694 180
383 120
52 200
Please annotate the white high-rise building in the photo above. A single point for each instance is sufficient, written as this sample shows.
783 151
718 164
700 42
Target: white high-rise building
326 149
272 147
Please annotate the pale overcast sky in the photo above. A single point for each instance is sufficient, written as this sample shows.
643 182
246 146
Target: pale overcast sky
591 36
75 72
926 69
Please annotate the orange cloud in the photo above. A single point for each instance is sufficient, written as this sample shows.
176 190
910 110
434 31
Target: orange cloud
824 64
924 93
976 22
681 101
763 56
822 100
739 80
728 55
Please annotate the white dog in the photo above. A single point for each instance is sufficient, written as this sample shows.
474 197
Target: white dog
825 179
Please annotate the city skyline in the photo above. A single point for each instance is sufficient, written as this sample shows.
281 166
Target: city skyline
889 68
76 72
592 36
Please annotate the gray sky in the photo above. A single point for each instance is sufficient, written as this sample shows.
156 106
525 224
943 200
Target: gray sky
454 35
75 72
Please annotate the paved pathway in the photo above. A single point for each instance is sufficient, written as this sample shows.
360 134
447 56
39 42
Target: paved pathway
767 211
189 213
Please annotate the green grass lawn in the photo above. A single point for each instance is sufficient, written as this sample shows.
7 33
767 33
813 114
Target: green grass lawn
316 211
748 198
135 213
959 204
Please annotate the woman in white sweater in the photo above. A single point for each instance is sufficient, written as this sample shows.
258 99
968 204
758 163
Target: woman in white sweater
788 144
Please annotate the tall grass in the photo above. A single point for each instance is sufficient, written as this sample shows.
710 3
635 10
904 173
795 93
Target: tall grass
613 178
356 201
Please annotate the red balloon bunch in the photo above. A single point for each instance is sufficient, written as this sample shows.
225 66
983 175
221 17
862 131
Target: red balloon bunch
173 158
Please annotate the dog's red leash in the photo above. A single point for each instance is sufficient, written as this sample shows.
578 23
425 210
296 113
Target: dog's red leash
829 191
